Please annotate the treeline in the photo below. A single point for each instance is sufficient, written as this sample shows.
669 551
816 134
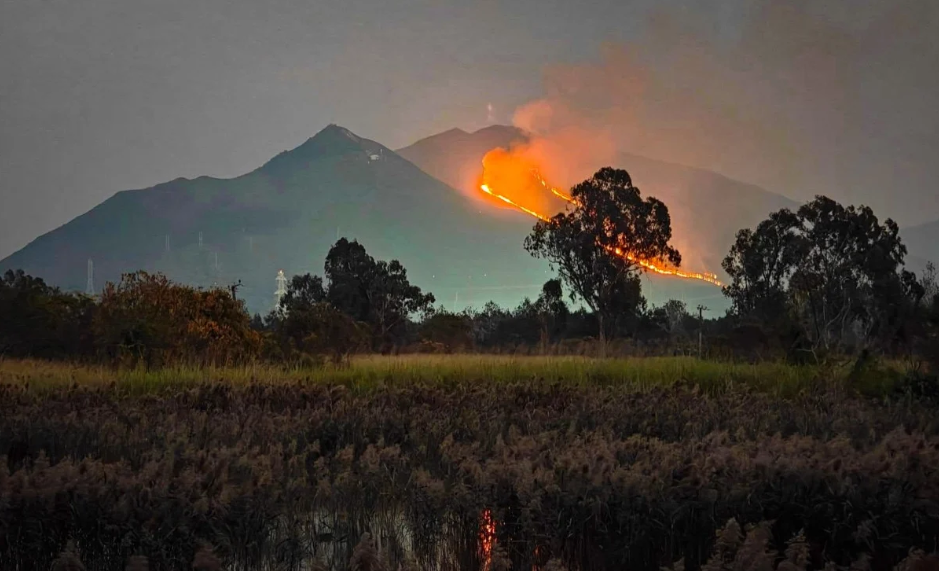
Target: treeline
144 320
360 305
366 307
823 282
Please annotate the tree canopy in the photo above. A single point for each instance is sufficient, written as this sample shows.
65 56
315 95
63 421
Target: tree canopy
596 244
834 272
373 292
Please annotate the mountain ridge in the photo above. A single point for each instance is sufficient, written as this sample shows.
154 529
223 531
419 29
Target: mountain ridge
284 215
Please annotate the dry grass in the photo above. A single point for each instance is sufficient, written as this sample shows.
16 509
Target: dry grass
374 371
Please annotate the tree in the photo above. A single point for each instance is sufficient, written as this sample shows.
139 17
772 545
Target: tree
329 331
832 272
302 292
37 320
552 312
306 323
376 292
452 330
349 272
760 264
139 319
848 280
488 323
929 336
597 243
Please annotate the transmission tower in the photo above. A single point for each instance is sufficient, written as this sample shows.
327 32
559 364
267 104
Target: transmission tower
90 286
281 290
166 243
200 240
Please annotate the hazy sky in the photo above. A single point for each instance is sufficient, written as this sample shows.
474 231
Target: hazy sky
99 96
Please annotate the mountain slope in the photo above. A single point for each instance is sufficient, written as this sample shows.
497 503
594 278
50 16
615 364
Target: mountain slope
707 208
455 156
285 215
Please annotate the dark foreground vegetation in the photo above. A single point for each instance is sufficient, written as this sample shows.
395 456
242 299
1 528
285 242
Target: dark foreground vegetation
574 475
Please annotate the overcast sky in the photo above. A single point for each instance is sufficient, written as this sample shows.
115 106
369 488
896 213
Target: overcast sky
99 96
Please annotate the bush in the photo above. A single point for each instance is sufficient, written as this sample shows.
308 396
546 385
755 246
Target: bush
147 319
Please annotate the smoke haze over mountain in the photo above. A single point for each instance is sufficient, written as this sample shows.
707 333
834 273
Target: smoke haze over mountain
801 97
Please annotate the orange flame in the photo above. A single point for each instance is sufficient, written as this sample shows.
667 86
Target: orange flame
487 538
502 157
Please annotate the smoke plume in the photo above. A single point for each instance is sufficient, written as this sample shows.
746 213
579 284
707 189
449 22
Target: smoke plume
802 98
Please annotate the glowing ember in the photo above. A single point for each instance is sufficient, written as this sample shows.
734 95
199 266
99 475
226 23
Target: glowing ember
487 538
654 266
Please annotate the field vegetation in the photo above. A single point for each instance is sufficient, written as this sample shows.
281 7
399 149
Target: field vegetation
585 464
375 371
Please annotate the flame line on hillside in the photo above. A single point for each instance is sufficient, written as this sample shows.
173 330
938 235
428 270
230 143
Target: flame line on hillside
485 188
652 267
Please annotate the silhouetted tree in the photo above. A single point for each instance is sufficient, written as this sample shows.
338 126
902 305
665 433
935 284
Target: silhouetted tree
302 292
37 320
452 330
926 334
305 323
319 329
375 292
760 264
594 245
832 272
849 276
552 312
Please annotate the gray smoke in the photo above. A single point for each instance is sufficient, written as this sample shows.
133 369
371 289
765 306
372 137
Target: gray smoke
801 97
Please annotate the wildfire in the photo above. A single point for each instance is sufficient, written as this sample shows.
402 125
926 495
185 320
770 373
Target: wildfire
487 538
532 173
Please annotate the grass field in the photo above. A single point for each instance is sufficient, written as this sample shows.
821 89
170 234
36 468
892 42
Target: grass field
376 371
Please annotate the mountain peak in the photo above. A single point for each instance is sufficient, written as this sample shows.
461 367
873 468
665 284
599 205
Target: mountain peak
331 141
332 138
334 130
507 131
456 131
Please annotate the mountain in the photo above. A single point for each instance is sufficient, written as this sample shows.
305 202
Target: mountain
922 243
455 156
707 208
285 215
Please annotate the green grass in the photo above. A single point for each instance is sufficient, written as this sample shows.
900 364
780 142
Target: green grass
366 372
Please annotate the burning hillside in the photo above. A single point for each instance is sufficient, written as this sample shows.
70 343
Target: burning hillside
515 180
